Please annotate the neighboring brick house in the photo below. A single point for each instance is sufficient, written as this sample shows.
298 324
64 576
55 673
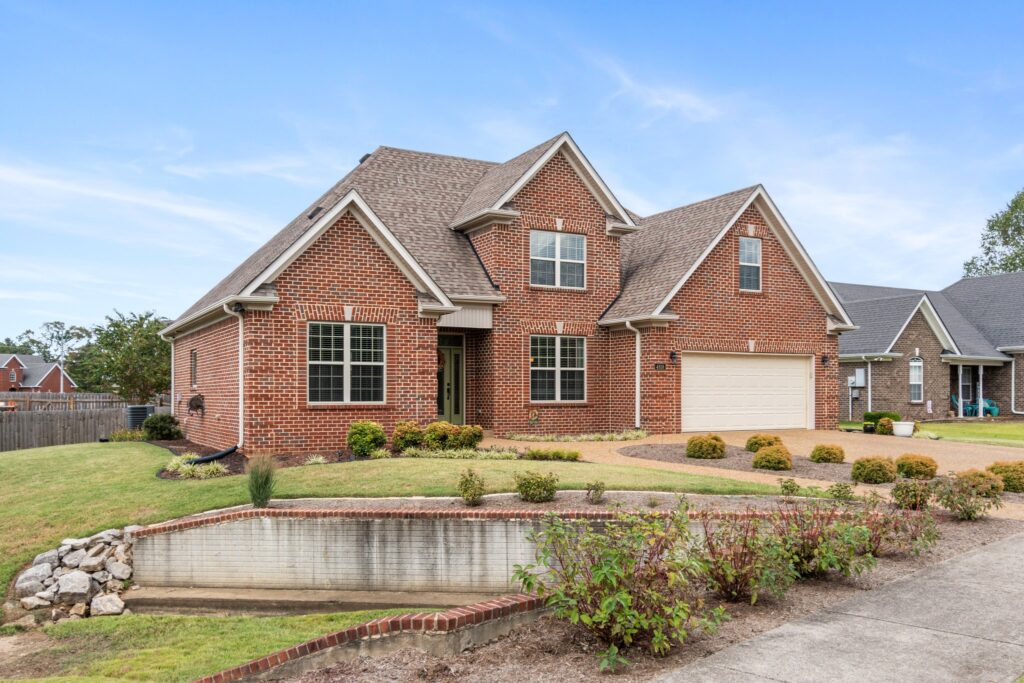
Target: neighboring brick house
24 372
933 355
520 296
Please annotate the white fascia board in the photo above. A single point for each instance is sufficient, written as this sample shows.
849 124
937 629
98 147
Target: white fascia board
484 218
931 316
1010 349
867 357
20 362
380 233
479 298
663 318
975 360
217 308
582 166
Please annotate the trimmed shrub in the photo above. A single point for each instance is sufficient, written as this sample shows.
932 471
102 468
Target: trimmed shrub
987 484
884 427
441 435
874 416
128 435
759 441
911 495
705 447
406 435
773 458
262 475
534 487
162 427
873 470
827 452
969 495
595 492
551 454
364 437
471 487
1012 474
470 436
914 466
380 454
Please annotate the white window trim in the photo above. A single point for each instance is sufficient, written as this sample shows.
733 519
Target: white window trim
193 368
968 376
558 261
558 370
13 376
920 364
760 258
347 363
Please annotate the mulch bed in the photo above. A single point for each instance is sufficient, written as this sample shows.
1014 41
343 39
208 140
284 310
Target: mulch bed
737 458
237 461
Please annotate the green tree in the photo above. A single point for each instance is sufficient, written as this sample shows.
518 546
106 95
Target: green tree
1002 242
86 366
129 357
9 345
54 341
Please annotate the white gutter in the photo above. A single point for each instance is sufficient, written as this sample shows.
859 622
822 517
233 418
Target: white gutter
636 375
251 301
241 375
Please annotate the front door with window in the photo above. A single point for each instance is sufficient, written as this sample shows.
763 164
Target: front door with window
451 379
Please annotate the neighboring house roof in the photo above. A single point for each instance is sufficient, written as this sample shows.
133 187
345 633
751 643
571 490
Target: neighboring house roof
994 304
879 322
34 375
25 359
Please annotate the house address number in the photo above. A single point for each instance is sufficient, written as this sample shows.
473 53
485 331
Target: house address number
659 366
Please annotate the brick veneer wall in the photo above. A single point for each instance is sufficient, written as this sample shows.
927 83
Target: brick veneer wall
216 349
714 315
5 375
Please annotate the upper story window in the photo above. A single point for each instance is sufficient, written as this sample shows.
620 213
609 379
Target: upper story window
750 264
14 376
193 368
558 368
558 259
916 379
346 363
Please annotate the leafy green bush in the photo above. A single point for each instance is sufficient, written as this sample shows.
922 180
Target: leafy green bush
162 427
470 436
636 581
873 470
441 435
406 435
705 447
741 558
551 454
827 452
840 491
773 458
969 495
315 460
471 487
364 437
534 487
595 492
874 416
495 453
128 435
898 531
789 487
1012 474
911 495
759 441
820 541
884 427
262 480
380 454
914 466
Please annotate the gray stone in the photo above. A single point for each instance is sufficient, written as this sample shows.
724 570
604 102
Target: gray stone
23 589
123 554
74 558
78 610
50 557
61 571
63 550
27 621
118 570
74 587
75 543
112 586
32 602
94 559
49 581
31 580
37 572
106 605
101 576
50 594
105 536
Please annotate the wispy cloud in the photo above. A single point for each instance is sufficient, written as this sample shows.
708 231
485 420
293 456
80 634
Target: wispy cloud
663 99
287 169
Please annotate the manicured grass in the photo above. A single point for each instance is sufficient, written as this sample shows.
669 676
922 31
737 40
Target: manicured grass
994 433
851 425
176 648
47 494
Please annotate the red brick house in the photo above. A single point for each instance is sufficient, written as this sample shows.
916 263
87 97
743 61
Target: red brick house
24 372
933 354
521 296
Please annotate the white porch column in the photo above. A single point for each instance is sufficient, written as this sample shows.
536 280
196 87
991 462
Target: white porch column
869 386
960 390
981 397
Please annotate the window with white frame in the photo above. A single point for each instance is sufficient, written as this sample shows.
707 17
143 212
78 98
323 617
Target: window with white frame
558 368
193 368
558 259
13 377
967 384
916 380
346 363
750 264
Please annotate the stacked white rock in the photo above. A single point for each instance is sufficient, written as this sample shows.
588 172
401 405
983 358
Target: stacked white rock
83 577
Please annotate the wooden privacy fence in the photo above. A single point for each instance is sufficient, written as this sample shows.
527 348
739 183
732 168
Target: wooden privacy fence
45 400
32 429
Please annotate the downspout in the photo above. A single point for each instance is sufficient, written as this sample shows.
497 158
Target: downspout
1013 387
174 404
636 374
236 310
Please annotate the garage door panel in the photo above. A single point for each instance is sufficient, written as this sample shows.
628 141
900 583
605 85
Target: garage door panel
744 391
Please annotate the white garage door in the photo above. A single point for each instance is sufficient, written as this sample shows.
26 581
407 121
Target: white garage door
745 391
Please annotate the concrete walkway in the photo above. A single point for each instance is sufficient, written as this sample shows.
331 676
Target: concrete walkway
961 620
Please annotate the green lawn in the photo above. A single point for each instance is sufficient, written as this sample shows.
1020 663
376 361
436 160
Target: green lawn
174 648
52 493
994 433
851 425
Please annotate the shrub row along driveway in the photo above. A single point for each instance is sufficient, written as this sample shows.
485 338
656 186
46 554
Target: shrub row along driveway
959 620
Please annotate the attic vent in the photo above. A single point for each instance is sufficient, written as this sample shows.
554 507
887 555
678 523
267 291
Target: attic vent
364 157
314 213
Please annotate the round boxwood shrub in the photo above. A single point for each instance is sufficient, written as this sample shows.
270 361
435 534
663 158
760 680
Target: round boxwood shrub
364 437
759 441
827 452
1012 474
775 457
984 484
534 487
470 436
884 426
914 466
406 435
441 435
874 470
912 495
162 427
705 447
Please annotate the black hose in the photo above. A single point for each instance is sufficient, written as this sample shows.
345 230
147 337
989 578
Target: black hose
212 456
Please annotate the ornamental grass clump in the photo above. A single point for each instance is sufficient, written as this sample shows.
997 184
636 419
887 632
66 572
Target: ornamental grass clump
827 452
636 582
262 473
773 458
1012 474
759 441
705 447
873 470
914 466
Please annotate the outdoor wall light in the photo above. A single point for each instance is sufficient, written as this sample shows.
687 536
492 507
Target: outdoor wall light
673 356
824 359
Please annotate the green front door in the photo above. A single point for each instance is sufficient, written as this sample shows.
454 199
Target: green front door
450 383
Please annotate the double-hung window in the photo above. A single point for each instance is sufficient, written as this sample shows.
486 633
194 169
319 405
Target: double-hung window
346 363
558 259
193 368
916 380
558 368
750 264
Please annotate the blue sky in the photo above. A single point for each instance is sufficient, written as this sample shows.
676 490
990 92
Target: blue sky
146 149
